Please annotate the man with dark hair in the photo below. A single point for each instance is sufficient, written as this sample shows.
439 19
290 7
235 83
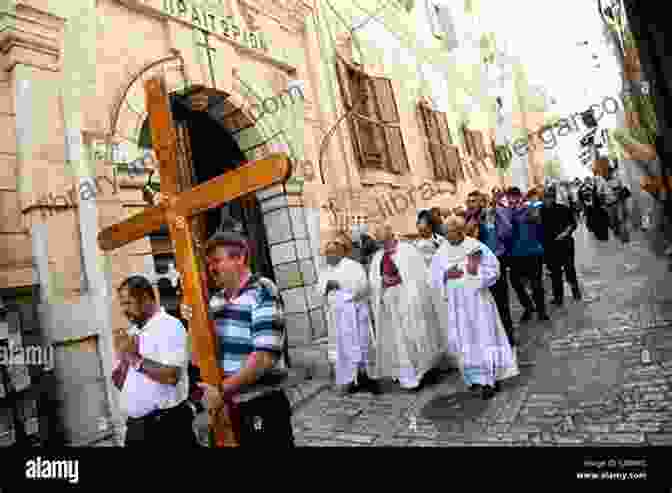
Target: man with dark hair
527 253
250 326
151 372
559 226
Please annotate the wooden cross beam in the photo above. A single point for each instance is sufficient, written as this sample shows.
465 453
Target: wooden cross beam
177 209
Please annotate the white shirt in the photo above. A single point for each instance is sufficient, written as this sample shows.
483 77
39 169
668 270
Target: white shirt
163 339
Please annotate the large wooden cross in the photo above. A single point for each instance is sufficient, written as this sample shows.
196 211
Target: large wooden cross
177 210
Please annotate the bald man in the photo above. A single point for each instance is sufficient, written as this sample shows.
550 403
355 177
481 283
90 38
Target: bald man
408 342
463 270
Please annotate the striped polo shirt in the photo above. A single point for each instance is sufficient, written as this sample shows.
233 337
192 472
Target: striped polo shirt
254 321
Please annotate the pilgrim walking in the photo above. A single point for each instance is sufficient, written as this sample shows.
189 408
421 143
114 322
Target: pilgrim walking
345 285
462 271
408 342
151 371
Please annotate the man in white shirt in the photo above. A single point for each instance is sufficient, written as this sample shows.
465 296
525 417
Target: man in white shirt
152 370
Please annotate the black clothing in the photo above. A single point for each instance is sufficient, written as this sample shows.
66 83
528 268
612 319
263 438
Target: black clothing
556 219
560 258
266 421
559 254
500 291
170 428
529 268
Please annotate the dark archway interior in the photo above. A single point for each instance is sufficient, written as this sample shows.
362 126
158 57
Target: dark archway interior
214 152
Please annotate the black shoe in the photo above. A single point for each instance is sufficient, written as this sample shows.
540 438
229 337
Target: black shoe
369 384
527 316
557 302
476 388
498 387
576 292
488 393
351 388
543 317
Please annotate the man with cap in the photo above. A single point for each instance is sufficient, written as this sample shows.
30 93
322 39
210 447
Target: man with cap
248 313
344 284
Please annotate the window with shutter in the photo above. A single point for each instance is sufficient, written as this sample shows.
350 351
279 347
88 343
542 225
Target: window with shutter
373 119
480 144
468 149
443 155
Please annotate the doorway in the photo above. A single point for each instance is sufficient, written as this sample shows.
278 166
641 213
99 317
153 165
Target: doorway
214 151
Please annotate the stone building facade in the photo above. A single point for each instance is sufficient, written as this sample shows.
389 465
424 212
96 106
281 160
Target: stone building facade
75 154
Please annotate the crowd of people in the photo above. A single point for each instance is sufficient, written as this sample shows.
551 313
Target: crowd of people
396 306
410 300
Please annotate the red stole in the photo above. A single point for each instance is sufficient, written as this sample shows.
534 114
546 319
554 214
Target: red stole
390 273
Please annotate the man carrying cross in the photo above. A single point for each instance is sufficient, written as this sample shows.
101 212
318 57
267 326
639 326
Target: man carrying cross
250 330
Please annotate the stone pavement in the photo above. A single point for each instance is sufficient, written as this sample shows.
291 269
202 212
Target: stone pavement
592 382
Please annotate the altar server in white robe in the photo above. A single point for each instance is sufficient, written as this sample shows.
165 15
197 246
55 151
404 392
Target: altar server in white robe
344 283
462 270
408 339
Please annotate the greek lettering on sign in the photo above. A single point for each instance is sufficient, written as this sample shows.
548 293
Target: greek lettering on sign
227 26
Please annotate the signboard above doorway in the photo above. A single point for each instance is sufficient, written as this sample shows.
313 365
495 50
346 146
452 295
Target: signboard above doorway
202 18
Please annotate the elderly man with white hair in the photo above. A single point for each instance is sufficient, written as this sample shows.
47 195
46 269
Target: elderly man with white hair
462 270
408 341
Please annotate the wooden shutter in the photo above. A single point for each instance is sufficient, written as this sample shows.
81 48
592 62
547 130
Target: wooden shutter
398 159
444 128
388 134
455 172
433 141
387 106
369 139
344 82
449 169
467 141
480 144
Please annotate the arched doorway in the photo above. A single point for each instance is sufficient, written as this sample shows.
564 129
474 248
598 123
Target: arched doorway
213 150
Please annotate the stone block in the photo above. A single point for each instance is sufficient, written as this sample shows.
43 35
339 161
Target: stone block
283 253
288 276
295 300
298 221
276 202
277 226
319 323
298 328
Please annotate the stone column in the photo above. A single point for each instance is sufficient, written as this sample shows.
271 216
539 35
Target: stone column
294 263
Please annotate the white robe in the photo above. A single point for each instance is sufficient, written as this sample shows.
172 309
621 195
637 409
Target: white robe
428 247
470 320
408 339
348 318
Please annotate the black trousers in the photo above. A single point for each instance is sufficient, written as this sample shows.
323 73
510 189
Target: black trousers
500 291
266 421
168 428
559 257
529 269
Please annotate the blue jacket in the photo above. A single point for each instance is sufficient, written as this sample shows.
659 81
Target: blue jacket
527 237
497 237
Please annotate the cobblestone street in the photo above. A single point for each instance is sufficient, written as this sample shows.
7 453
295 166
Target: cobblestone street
587 379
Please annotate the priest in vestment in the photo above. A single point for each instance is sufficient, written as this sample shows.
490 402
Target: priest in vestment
408 342
462 271
344 283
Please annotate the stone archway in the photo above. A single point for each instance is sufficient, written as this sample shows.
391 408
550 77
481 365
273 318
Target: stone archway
281 216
